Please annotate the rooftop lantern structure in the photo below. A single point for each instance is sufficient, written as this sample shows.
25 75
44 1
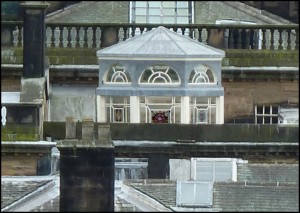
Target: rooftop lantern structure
160 77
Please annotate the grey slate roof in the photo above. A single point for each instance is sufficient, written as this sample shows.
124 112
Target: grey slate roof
234 197
161 43
14 190
268 173
91 12
164 191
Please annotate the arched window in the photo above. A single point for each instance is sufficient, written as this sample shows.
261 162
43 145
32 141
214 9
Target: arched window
159 74
117 74
202 74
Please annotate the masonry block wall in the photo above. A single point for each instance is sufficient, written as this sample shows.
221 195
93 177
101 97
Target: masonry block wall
241 97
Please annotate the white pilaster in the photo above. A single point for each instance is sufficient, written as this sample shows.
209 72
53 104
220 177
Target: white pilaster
220 110
134 109
185 110
101 110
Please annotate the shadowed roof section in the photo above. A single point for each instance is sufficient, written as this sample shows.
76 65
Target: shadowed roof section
162 43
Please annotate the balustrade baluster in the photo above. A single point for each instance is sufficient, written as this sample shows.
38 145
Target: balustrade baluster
182 30
289 39
94 37
239 38
77 45
231 40
208 35
142 29
52 36
280 44
263 38
20 28
247 37
125 29
69 37
272 39
85 38
297 40
133 31
200 34
191 34
61 39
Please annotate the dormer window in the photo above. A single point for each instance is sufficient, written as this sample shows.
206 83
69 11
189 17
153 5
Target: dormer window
202 74
117 74
159 74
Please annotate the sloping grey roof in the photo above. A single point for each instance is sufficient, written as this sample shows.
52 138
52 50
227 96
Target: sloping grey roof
91 12
268 173
12 191
161 43
238 197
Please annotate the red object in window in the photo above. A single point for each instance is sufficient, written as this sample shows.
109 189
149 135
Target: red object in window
160 117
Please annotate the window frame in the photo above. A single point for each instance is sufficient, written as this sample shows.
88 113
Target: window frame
194 172
264 115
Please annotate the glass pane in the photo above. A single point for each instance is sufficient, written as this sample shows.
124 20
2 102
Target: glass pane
168 4
141 11
168 19
182 4
168 12
201 176
187 193
154 12
119 100
259 110
213 115
154 4
141 3
267 120
182 12
274 120
275 110
202 194
213 100
154 20
267 110
182 20
140 19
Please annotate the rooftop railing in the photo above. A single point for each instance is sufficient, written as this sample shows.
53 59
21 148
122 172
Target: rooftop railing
89 35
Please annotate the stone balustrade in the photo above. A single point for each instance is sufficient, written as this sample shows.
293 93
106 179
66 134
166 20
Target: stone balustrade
85 35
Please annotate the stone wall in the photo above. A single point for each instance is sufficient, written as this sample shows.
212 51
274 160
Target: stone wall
16 165
77 101
241 97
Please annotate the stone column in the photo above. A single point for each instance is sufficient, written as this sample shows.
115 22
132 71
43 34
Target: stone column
134 109
220 110
185 110
101 109
87 172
